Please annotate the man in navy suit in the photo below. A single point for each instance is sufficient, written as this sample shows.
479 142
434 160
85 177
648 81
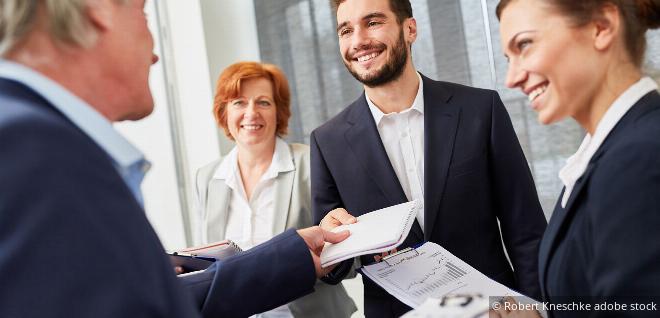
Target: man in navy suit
409 137
74 239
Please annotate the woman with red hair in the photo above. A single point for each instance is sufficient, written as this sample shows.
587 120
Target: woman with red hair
262 186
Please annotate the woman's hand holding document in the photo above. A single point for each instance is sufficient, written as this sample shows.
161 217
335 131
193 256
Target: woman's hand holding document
374 232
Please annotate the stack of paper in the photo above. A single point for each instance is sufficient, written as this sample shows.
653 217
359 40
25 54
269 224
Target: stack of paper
374 232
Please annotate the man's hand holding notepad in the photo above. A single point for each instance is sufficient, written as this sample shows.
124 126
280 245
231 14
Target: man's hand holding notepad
374 232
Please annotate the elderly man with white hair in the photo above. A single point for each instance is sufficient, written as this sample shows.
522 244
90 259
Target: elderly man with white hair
74 239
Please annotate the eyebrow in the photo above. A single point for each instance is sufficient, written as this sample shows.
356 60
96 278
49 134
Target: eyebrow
369 16
511 45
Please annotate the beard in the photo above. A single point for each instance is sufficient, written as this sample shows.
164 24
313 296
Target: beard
389 72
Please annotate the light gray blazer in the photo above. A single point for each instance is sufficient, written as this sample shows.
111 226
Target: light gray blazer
293 210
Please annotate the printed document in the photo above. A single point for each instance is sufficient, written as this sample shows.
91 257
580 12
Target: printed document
414 275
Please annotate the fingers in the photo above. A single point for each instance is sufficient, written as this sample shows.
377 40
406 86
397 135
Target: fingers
332 237
336 218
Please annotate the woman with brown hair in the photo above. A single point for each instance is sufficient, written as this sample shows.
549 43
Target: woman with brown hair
582 59
262 187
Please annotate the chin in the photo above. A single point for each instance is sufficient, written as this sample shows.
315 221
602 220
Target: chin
547 118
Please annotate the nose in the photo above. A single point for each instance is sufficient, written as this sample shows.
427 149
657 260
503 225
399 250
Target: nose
359 38
251 109
154 59
515 76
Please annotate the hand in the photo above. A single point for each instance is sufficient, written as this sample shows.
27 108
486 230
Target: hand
336 218
503 310
315 238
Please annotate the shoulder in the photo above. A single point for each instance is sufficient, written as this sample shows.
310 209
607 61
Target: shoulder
458 90
630 157
470 99
337 123
35 131
301 156
204 174
299 150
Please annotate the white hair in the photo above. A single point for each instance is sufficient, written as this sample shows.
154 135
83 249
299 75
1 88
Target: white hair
66 21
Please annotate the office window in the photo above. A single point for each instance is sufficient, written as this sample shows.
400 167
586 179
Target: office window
458 41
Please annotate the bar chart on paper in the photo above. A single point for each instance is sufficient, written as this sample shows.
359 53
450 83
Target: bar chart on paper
430 271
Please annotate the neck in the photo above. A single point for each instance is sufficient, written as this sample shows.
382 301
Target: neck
59 61
255 158
397 95
616 81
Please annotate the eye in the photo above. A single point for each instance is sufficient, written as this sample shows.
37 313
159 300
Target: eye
373 23
344 31
523 43
238 103
264 103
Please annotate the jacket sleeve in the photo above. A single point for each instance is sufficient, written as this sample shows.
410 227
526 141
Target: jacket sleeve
517 205
265 277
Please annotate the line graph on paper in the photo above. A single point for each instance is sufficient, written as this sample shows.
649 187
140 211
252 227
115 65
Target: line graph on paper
440 275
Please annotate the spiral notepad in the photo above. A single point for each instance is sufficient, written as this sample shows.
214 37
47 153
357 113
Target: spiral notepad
374 232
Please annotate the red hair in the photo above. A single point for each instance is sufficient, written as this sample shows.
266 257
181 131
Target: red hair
228 88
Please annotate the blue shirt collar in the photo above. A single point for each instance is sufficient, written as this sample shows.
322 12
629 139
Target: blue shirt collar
91 122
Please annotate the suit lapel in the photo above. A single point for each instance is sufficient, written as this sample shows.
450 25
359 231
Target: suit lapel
440 125
364 141
283 191
559 221
218 195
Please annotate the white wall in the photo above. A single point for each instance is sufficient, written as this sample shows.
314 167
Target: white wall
180 135
230 31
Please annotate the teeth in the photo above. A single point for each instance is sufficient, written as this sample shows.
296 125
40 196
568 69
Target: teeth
251 127
367 57
537 92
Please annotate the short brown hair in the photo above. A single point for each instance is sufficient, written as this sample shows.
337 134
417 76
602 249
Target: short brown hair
401 8
638 16
228 87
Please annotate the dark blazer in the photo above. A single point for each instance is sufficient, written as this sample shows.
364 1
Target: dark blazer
75 242
606 242
475 174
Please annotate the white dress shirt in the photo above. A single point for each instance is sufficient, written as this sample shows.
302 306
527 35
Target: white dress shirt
250 222
403 137
577 163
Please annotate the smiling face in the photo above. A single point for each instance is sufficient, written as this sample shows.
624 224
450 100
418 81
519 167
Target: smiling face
252 116
373 45
552 61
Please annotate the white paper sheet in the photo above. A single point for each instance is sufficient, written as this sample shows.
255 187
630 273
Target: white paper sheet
431 271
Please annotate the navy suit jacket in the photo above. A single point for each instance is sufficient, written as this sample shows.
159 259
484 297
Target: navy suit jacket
475 174
74 242
605 245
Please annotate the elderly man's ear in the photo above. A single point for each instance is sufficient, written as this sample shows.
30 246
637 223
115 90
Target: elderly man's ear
100 13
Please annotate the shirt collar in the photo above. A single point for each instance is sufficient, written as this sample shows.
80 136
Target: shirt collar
282 162
577 163
418 103
84 116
